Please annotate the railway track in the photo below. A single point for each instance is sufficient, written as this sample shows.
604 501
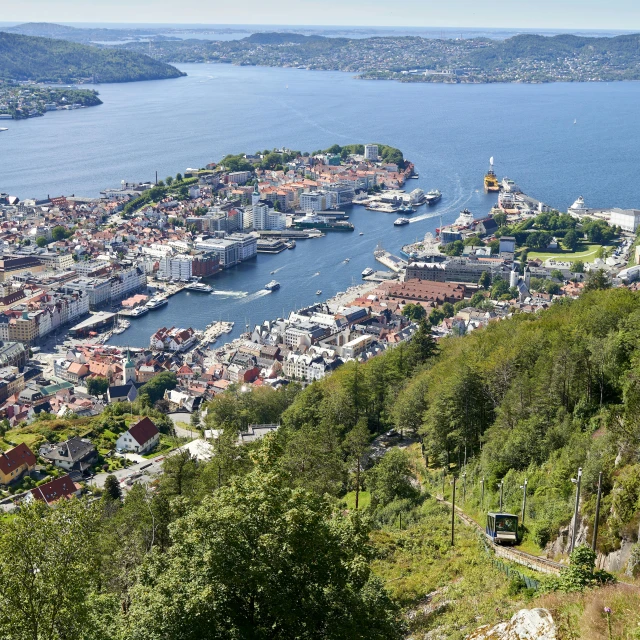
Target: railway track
542 565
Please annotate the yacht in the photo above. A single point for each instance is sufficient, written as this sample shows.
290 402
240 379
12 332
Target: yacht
433 196
118 330
368 272
199 286
156 303
400 222
138 311
272 286
464 219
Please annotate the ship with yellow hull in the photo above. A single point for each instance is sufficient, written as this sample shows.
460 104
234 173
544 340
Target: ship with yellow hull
491 184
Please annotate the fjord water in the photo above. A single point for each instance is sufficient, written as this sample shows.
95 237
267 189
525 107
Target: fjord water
448 131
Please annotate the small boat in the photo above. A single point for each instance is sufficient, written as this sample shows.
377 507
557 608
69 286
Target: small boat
575 121
156 303
318 292
118 330
272 286
361 233
4 129
346 260
400 222
368 272
415 176
317 273
271 273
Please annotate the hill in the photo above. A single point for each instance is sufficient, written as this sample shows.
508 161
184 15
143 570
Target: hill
51 60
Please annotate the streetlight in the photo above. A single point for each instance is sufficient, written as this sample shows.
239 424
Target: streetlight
524 499
576 509
501 485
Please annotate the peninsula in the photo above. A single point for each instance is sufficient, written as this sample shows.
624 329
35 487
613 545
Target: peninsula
50 60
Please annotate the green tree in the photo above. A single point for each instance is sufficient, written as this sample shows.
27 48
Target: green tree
112 490
448 310
41 242
259 558
97 386
178 177
391 479
500 218
59 233
414 312
436 317
155 388
597 279
577 266
485 280
356 445
570 241
168 180
557 274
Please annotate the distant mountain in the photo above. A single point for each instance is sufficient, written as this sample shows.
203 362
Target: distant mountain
50 60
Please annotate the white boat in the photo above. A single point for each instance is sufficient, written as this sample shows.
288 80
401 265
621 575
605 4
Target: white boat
156 303
368 272
400 222
317 273
272 286
199 286
4 129
318 292
347 260
118 330
464 219
579 207
361 233
138 311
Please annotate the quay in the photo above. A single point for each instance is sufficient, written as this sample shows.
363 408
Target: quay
389 260
215 330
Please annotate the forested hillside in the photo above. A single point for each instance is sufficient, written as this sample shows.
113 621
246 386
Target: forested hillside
267 541
49 60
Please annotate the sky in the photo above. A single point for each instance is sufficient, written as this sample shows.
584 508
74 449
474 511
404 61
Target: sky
534 14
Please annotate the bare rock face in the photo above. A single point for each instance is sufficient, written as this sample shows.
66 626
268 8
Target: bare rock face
527 624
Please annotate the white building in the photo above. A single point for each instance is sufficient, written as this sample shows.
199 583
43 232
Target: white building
247 245
371 152
57 261
176 267
315 201
626 219
226 250
265 218
239 177
140 438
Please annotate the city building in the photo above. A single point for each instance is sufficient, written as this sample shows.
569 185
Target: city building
15 462
140 438
371 152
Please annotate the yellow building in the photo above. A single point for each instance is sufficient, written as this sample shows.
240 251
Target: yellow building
15 463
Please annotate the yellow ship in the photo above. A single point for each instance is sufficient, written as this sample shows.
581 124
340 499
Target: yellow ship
490 181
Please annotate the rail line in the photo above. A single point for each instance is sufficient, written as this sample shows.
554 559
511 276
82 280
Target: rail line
543 565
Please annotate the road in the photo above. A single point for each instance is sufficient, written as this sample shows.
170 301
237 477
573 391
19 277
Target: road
184 418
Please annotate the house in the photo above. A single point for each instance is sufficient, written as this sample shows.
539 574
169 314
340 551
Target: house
122 393
140 438
15 463
57 489
76 454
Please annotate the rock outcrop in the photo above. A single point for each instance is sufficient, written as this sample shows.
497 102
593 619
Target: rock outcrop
527 624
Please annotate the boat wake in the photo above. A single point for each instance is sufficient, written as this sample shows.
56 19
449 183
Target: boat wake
256 295
231 294
460 201
279 269
315 274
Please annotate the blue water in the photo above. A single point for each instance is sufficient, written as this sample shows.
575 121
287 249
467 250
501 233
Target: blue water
449 132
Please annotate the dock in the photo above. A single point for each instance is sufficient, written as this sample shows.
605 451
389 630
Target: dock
389 260
215 330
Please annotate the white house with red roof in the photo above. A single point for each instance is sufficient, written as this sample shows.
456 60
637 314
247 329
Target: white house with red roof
140 438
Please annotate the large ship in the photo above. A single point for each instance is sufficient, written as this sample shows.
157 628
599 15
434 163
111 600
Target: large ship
321 223
272 286
156 303
433 197
464 219
491 184
138 311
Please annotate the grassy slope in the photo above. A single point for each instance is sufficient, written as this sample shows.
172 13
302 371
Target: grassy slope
44 59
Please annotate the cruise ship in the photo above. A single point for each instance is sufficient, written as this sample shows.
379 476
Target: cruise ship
433 196
491 184
199 286
272 286
400 222
156 303
464 219
138 311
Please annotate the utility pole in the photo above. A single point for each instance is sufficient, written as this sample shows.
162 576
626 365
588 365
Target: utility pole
501 487
482 493
595 524
524 499
576 509
453 511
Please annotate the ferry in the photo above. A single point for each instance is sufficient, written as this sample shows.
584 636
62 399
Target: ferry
318 292
368 272
4 129
199 286
433 196
491 184
156 303
138 311
272 286
406 209
291 244
400 222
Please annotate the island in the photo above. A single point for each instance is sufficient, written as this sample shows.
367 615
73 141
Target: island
27 58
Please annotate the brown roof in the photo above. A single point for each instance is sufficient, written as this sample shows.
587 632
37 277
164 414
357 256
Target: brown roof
15 458
58 488
143 431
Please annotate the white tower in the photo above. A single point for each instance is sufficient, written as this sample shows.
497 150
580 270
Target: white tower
255 196
513 277
527 276
129 370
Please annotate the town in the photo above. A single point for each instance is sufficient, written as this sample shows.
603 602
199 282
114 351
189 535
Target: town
76 271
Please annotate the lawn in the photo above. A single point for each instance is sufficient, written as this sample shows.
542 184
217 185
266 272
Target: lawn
364 499
166 444
587 253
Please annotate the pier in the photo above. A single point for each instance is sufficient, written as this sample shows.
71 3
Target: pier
215 330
